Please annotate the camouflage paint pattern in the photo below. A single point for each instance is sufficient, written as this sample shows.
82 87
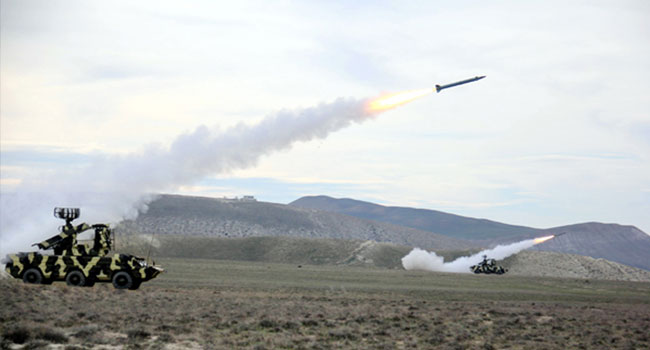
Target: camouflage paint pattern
65 242
488 266
80 264
94 268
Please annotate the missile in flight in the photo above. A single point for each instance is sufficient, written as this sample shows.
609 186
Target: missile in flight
440 87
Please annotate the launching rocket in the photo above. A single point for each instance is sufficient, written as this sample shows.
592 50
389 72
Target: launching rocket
440 87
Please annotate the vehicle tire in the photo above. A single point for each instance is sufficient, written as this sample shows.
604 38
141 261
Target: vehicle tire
136 284
75 278
33 276
122 280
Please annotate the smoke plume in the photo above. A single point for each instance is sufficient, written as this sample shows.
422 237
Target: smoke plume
419 259
114 187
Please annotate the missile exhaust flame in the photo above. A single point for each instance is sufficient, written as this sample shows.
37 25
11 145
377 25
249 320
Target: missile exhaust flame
114 187
543 239
393 100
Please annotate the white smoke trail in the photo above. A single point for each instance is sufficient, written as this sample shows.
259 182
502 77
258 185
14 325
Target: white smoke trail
116 186
419 259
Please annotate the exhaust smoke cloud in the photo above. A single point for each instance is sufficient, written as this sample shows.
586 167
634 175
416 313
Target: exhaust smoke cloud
114 187
419 259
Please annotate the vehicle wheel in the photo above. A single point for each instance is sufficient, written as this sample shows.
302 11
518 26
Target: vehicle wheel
122 280
136 284
33 276
75 278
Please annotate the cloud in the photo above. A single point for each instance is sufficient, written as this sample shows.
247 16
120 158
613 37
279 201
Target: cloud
559 124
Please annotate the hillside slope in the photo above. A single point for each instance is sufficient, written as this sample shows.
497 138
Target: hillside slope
423 219
551 264
306 251
623 244
170 214
290 250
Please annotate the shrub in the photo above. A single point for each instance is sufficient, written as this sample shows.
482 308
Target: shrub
17 335
266 323
74 347
166 338
51 335
137 333
36 344
87 332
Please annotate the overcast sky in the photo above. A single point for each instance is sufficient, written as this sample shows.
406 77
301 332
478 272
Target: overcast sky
558 132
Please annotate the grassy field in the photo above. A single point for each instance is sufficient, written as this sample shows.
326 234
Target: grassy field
216 304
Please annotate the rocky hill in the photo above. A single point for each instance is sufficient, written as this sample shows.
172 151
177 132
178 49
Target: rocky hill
308 251
423 219
199 216
291 250
183 215
623 244
551 264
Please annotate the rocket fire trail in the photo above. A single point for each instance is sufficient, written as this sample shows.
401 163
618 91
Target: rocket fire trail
389 101
393 100
113 187
543 239
419 259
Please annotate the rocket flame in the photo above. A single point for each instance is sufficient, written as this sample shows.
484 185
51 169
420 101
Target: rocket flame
543 239
396 99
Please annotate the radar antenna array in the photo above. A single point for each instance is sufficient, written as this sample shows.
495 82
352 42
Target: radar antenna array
67 214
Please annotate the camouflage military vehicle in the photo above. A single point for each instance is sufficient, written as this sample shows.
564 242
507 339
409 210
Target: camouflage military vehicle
488 266
80 264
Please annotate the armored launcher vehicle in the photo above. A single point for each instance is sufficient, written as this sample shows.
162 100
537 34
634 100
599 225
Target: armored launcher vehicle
80 264
488 266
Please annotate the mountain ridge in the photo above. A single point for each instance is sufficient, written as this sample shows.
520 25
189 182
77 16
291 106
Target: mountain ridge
204 216
625 244
423 219
326 251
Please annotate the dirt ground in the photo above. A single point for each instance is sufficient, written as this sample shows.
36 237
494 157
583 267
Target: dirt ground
261 306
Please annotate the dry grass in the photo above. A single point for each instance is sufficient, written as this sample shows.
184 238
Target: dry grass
223 305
